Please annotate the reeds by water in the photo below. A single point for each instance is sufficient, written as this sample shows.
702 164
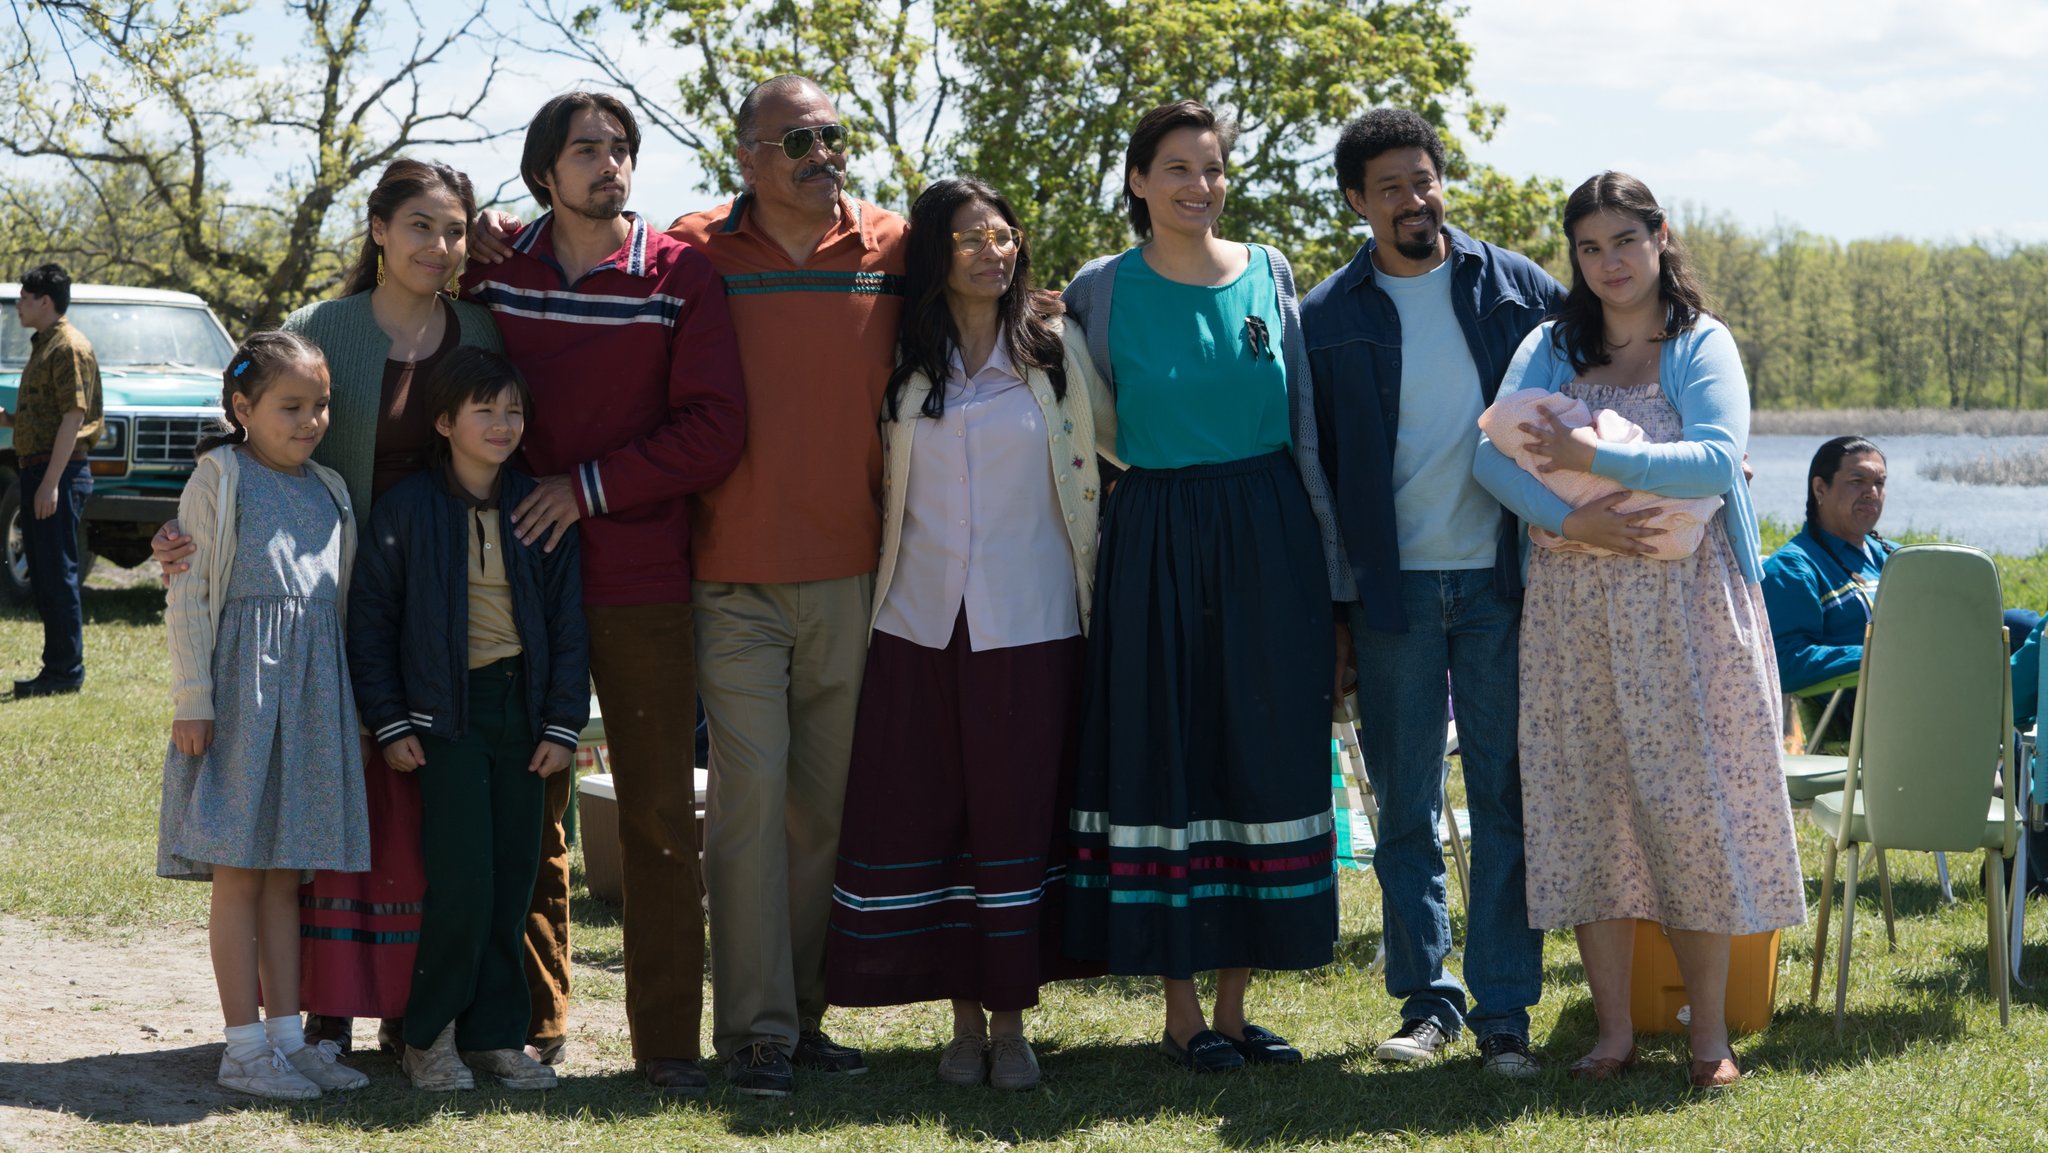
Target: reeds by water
2018 466
1900 422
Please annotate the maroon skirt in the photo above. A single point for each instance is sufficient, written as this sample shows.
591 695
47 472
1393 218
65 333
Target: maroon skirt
952 848
358 931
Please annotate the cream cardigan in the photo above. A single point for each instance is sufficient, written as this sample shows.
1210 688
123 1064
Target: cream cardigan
1076 428
206 512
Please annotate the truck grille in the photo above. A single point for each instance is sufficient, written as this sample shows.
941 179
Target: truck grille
169 439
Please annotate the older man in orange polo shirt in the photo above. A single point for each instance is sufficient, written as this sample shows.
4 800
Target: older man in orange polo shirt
784 553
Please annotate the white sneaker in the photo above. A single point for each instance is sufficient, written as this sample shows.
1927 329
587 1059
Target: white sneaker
267 1074
319 1064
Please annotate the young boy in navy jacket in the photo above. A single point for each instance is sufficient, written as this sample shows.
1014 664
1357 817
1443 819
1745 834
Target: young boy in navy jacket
471 667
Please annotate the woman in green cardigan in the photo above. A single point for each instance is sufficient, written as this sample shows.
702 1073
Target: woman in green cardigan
395 319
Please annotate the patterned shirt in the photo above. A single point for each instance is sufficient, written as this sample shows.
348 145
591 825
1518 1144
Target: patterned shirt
61 377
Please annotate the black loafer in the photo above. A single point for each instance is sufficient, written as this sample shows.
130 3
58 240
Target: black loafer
1207 1052
1264 1047
676 1076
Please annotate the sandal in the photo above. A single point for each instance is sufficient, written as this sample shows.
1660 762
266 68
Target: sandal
1715 1074
1591 1068
1262 1046
1207 1052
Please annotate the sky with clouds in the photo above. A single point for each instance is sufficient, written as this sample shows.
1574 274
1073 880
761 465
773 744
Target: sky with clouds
1851 119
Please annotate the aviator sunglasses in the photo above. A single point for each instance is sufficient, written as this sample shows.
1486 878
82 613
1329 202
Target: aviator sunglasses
798 142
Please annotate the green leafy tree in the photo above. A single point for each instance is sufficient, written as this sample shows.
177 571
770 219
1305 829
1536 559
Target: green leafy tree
1038 97
146 109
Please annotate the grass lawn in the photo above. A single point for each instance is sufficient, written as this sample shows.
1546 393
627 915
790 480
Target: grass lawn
1923 1065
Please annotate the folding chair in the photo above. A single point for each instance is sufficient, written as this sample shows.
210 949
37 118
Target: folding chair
1931 728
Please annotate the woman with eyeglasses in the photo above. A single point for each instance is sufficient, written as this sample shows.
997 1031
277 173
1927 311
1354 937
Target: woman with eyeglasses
1202 817
951 850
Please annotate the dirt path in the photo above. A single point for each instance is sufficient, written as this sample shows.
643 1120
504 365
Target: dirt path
122 1029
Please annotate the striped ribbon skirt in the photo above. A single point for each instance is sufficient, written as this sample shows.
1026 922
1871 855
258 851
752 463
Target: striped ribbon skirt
951 849
1202 821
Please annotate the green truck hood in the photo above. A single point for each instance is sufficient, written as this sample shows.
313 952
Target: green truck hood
127 388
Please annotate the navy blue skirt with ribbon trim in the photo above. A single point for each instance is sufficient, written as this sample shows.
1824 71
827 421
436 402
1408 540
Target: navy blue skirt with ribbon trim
1201 823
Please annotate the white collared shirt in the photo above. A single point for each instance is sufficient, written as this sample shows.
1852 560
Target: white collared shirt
981 521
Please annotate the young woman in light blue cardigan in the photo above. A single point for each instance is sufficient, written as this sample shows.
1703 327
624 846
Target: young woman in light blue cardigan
1651 788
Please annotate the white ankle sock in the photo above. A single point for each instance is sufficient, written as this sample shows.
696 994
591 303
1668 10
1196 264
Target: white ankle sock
287 1034
247 1042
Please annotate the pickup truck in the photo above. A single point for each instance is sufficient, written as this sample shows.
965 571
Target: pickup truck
161 356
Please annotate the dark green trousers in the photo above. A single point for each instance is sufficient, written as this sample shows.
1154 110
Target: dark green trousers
481 816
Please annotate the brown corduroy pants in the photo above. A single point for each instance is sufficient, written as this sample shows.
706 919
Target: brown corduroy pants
643 660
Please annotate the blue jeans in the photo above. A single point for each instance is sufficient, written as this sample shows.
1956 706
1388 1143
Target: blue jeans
51 545
1457 625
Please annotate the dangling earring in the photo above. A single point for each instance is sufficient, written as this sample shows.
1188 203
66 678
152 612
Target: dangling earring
380 270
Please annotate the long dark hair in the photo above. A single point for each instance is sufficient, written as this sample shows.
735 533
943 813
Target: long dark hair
1827 461
928 336
402 180
256 365
1581 327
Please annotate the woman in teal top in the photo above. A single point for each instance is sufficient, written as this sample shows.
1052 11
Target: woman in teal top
1195 391
1201 821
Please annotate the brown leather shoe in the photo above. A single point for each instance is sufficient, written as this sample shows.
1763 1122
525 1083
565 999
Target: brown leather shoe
675 1076
1717 1074
1591 1068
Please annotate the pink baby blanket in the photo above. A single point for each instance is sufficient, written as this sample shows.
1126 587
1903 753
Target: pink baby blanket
1684 521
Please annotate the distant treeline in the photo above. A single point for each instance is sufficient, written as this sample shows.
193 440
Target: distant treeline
1879 323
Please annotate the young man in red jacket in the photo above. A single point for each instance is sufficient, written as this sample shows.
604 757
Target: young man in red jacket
624 335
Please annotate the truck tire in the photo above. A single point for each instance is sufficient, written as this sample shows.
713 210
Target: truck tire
13 560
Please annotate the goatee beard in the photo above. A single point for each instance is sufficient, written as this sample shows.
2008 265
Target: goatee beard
1416 249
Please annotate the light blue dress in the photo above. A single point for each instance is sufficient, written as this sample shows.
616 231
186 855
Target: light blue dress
281 787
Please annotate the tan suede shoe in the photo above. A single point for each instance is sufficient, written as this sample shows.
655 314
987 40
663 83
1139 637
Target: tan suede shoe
438 1068
1011 1063
965 1061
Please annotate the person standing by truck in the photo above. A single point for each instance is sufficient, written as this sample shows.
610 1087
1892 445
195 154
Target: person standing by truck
57 423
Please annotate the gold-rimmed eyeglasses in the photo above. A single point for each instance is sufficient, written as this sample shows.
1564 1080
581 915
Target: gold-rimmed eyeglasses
973 240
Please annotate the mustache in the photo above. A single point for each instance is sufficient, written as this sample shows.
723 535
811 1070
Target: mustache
810 170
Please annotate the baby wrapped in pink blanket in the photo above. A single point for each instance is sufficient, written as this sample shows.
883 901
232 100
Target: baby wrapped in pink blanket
1683 521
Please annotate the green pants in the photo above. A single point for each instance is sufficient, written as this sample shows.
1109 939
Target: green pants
481 818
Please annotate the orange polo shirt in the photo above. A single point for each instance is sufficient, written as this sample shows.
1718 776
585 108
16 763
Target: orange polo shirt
817 344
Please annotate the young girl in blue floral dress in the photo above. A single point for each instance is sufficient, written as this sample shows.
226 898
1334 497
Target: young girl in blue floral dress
263 780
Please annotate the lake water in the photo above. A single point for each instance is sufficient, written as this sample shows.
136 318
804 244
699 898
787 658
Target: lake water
2008 519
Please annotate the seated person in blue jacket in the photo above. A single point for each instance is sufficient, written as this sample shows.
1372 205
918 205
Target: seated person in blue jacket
1819 588
2026 702
471 666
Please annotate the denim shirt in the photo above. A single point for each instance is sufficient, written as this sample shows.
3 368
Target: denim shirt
1353 333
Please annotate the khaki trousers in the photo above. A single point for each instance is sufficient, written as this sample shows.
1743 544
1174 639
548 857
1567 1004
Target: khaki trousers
782 667
643 661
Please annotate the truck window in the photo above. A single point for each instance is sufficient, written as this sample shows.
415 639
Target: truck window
132 336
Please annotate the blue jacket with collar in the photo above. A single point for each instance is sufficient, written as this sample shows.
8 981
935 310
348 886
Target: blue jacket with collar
408 616
1353 333
1817 591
